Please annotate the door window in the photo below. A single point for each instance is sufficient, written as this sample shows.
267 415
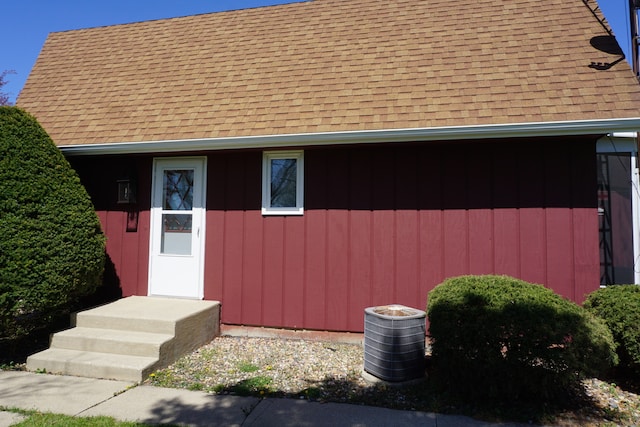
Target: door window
177 197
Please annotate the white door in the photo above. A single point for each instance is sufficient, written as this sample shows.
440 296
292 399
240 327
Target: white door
176 266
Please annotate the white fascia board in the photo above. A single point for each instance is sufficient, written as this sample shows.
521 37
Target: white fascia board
510 130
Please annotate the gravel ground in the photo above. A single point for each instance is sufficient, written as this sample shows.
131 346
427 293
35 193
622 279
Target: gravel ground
323 371
293 367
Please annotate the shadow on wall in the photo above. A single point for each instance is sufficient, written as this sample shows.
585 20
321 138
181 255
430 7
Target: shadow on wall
110 289
485 174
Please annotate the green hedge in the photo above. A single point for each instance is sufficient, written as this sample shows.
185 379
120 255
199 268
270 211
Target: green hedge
619 306
51 244
497 338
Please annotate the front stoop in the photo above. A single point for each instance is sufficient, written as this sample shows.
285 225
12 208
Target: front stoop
130 338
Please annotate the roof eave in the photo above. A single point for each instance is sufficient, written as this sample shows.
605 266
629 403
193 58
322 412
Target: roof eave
499 131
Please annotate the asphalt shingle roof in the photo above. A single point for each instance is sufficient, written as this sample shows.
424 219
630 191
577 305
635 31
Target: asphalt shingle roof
329 65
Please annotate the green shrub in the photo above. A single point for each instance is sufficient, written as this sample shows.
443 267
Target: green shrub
51 244
496 338
619 306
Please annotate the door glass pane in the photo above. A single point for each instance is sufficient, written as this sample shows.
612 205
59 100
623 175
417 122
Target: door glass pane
283 183
176 234
616 220
177 190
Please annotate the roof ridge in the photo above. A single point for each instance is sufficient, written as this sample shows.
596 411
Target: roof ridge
195 15
599 15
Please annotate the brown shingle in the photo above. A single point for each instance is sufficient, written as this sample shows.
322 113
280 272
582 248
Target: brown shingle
328 65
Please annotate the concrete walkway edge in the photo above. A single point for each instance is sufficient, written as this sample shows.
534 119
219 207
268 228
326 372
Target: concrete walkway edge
127 401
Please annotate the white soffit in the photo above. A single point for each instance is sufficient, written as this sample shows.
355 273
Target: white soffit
513 130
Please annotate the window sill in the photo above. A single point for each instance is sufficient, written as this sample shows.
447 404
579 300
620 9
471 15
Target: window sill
282 212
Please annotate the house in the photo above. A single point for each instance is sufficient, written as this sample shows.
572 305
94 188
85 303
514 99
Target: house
304 161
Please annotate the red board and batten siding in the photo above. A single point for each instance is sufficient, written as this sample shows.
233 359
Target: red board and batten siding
125 226
383 224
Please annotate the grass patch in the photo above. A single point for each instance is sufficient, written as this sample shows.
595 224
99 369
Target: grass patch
259 385
10 366
163 378
208 354
196 387
48 420
247 367
312 393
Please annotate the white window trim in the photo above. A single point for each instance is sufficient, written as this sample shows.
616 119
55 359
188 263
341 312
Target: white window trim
267 156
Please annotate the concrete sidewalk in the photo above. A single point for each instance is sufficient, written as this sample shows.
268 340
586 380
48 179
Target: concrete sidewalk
153 405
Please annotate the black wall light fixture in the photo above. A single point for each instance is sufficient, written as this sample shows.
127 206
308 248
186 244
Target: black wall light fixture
126 192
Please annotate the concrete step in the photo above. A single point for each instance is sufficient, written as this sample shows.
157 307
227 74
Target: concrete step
143 314
130 338
91 364
132 343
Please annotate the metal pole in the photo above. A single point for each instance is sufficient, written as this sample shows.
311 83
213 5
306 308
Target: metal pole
633 17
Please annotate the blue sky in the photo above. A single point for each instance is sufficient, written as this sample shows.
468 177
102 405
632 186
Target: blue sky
26 23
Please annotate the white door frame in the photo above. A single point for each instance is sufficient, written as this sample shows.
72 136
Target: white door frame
199 164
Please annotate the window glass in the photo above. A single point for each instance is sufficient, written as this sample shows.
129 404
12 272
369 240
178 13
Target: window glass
177 185
178 190
176 234
282 183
